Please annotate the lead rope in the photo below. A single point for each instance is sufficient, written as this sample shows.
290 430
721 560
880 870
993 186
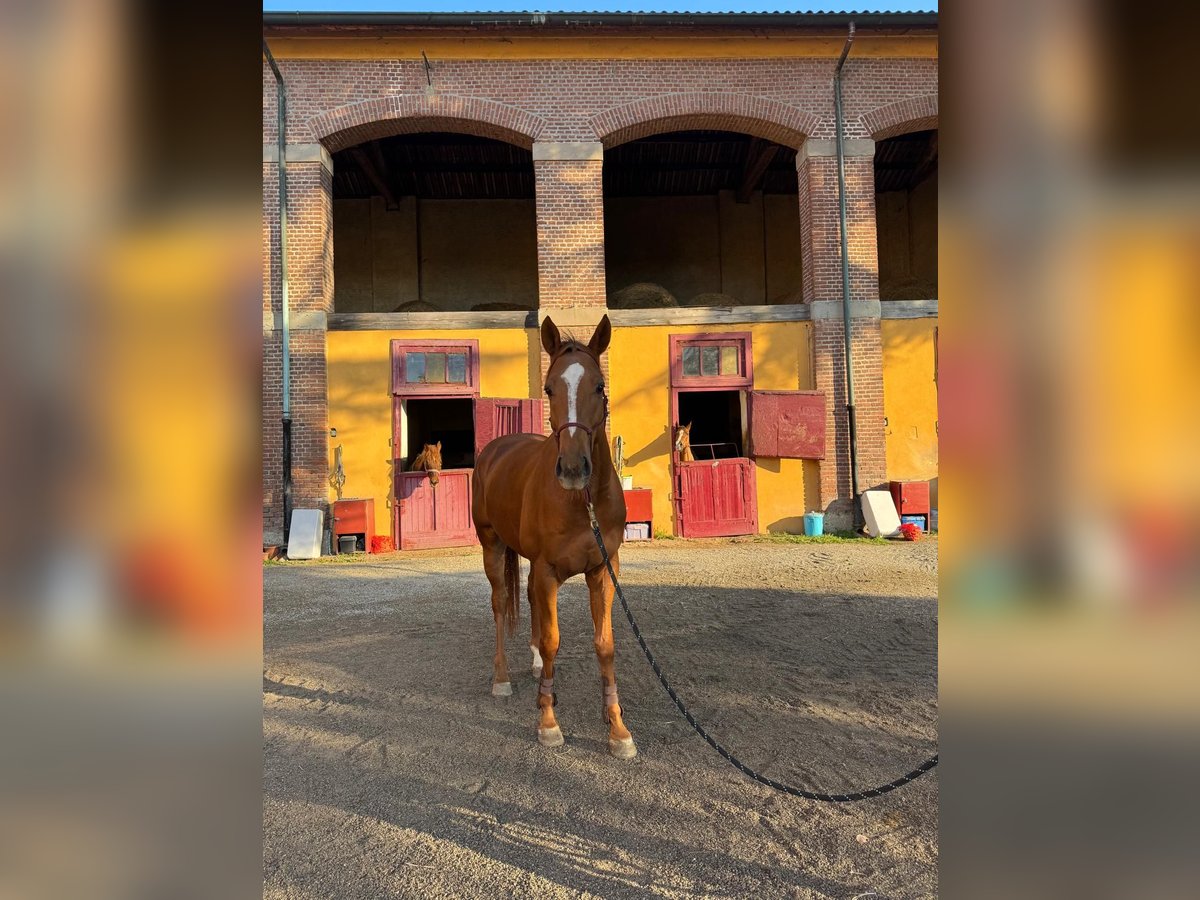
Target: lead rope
710 740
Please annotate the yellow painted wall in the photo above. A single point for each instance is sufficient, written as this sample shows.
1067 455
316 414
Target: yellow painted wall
910 398
360 406
360 399
639 376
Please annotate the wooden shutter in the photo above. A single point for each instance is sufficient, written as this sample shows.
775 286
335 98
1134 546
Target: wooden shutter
787 424
496 417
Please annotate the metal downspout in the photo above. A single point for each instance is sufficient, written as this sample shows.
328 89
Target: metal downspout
281 135
851 417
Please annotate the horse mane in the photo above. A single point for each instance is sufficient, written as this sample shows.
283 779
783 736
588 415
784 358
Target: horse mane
419 462
571 344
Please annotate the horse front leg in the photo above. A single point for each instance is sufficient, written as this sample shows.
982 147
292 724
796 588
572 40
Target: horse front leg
600 590
543 583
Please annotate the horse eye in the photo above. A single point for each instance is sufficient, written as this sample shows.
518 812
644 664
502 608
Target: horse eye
549 393
600 388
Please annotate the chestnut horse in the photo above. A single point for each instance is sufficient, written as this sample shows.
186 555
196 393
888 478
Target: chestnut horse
530 499
429 459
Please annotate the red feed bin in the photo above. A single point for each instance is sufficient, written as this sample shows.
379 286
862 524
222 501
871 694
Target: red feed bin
638 505
354 516
911 498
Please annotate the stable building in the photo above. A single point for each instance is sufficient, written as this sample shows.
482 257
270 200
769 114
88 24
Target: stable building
452 179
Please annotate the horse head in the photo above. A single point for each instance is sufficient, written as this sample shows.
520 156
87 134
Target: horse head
578 404
431 461
683 437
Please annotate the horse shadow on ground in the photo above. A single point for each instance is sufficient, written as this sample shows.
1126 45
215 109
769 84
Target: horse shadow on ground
387 719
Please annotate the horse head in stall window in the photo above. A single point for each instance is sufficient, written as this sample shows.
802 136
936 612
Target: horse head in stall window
683 442
430 459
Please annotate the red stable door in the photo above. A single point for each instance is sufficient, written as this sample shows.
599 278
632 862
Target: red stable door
716 497
428 517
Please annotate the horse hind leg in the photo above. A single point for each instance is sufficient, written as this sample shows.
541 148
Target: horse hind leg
494 565
535 632
544 585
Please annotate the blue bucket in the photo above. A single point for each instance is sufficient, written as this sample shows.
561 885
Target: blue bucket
814 524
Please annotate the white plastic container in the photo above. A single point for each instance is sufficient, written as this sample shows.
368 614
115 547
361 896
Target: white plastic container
627 482
879 511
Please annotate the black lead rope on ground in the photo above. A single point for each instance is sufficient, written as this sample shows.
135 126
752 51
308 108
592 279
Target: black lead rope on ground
712 742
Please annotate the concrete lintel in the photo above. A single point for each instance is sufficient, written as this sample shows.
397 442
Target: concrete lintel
851 147
832 309
585 150
297 321
573 316
300 153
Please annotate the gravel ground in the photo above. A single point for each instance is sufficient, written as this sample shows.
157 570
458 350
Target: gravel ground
390 770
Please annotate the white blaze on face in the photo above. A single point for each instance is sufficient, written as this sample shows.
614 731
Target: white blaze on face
572 375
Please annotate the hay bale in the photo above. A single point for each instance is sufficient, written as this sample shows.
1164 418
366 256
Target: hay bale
714 299
788 298
416 306
642 295
500 306
907 288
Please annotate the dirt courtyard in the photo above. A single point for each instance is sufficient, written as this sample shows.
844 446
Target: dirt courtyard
391 771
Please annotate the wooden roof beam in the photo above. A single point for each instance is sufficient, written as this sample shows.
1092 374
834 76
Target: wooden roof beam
373 174
758 159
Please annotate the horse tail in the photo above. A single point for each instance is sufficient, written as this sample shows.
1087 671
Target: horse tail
512 587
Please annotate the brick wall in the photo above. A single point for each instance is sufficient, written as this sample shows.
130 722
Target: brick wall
570 233
828 363
310 290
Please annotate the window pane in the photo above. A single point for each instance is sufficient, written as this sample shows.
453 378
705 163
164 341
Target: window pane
729 360
691 360
435 368
709 360
456 368
414 367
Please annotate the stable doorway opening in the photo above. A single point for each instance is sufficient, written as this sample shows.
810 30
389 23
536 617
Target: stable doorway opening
449 420
717 419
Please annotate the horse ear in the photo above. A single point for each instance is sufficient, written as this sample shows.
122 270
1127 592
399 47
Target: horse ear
439 446
600 337
550 336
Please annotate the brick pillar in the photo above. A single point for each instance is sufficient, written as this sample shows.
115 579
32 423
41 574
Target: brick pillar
310 300
570 238
816 166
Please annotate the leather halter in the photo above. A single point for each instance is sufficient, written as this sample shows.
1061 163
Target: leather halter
588 429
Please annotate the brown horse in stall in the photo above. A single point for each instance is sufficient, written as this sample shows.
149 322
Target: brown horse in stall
530 499
430 459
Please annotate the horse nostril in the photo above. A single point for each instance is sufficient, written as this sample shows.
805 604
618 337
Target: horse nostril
558 468
587 467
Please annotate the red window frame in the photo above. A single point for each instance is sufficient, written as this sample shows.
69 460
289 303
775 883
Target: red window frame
738 339
400 350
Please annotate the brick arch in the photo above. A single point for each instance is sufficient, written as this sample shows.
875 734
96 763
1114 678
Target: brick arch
367 120
902 117
746 113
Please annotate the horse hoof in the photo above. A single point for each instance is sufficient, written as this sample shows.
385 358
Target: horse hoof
502 689
551 737
622 749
